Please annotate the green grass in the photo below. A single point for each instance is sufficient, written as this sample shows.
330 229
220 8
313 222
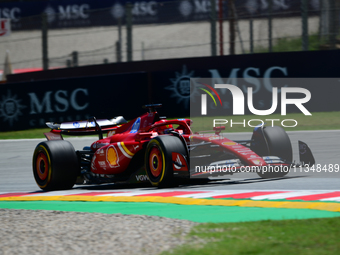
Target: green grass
318 121
24 134
292 44
312 237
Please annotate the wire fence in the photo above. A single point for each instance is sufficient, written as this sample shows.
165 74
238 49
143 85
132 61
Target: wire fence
254 26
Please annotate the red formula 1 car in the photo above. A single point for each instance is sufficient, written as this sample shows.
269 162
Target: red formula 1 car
153 149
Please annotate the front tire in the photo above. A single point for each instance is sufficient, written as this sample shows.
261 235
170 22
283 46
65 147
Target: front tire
158 159
273 142
55 165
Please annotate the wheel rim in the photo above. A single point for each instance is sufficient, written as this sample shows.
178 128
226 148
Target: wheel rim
155 162
42 166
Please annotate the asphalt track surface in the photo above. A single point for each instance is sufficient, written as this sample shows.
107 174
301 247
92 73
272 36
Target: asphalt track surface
16 166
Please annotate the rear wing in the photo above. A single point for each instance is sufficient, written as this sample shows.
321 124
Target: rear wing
86 127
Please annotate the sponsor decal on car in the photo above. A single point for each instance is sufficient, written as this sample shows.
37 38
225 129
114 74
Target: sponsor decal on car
229 143
257 162
179 163
112 156
93 166
142 178
135 126
230 162
76 124
253 156
111 133
215 138
178 160
101 163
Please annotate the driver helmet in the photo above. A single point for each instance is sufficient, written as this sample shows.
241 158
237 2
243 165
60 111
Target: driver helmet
165 129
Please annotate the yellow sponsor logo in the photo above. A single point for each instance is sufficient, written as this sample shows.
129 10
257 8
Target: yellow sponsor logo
112 156
229 143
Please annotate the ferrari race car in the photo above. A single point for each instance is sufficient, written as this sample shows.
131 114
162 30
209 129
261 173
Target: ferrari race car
153 149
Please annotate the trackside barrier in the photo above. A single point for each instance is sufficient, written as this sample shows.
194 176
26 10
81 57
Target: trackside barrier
30 99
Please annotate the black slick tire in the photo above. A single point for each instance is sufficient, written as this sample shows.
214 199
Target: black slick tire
276 143
158 159
55 165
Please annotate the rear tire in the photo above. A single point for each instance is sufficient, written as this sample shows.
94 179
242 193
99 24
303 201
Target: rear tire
158 159
55 165
275 142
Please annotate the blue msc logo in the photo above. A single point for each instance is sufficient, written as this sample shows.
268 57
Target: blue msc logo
76 124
